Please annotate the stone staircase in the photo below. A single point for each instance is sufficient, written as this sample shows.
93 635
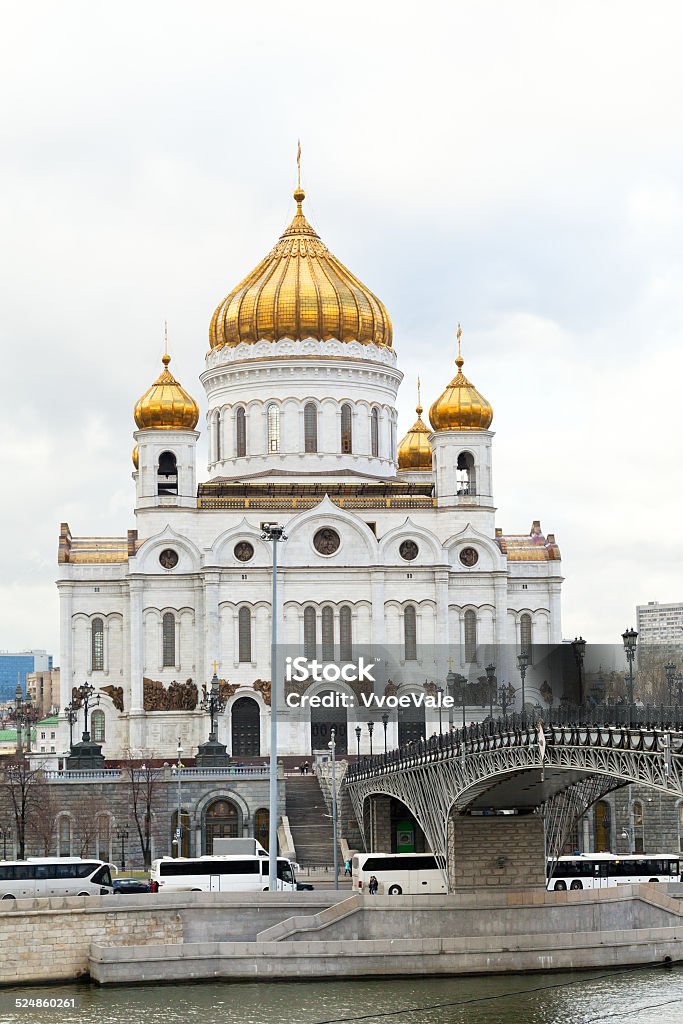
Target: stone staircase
309 821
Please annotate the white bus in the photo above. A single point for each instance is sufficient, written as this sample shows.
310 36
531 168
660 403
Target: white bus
602 870
54 876
246 873
399 873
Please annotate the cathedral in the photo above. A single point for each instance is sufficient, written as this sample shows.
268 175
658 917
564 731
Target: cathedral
391 546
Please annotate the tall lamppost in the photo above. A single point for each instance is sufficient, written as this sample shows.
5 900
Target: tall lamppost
332 747
371 726
358 734
523 663
579 648
491 680
86 693
630 638
439 696
215 705
506 696
122 835
275 534
385 723
679 688
451 680
22 710
670 670
178 838
71 715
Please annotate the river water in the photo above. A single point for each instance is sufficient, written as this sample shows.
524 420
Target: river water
632 996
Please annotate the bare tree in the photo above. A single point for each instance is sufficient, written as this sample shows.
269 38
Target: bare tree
86 816
144 781
23 786
43 814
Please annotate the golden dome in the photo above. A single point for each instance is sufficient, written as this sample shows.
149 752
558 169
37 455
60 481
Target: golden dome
135 455
166 406
300 290
415 451
460 407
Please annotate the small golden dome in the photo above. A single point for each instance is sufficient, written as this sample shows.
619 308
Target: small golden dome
135 455
415 451
300 290
166 406
460 407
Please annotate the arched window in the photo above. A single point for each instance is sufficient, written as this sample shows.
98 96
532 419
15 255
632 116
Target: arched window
244 622
168 640
310 427
273 428
97 645
240 433
167 474
328 634
309 633
345 634
470 636
346 435
465 478
97 726
374 432
410 633
64 835
393 440
525 635
218 436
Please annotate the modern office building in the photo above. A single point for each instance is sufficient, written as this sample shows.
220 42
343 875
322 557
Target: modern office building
660 623
15 666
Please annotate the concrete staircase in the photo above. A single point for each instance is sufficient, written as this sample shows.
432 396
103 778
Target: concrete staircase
310 827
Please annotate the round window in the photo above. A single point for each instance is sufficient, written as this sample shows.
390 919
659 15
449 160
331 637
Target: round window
408 550
244 551
168 558
469 557
326 541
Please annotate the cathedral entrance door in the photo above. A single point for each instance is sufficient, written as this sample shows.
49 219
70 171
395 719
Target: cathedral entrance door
322 722
603 827
246 728
222 821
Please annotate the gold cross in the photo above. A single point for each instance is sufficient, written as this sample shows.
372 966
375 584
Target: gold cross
459 336
450 663
298 164
215 667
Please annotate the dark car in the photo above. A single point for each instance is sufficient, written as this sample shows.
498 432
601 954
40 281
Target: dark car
123 885
303 886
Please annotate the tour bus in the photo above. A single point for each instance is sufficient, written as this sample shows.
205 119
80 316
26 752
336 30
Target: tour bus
399 873
601 870
234 873
54 876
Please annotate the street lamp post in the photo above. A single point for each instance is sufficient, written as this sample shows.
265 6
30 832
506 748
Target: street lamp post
579 648
371 726
358 734
451 679
275 534
385 723
178 838
670 670
490 678
86 693
23 706
439 691
679 688
215 705
506 695
122 835
332 746
523 662
630 638
71 715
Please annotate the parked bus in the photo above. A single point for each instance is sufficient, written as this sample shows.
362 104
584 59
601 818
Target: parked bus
247 873
54 876
399 873
601 870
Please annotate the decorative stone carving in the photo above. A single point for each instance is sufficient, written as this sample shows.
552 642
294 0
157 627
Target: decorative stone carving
391 689
326 541
178 696
244 551
116 695
262 686
469 557
408 550
168 559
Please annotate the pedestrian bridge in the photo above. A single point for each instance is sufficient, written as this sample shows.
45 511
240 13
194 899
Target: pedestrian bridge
556 768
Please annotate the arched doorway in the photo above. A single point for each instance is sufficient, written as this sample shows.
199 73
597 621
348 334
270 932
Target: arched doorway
411 725
222 821
602 827
323 720
262 826
246 728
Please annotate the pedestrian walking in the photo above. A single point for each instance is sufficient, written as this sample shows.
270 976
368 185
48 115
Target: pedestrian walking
373 885
347 868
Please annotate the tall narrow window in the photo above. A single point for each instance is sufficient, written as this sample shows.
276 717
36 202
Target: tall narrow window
374 432
346 436
465 477
470 636
310 428
525 635
273 428
345 634
410 633
328 634
244 622
218 437
168 640
97 645
240 433
167 474
309 633
64 835
97 726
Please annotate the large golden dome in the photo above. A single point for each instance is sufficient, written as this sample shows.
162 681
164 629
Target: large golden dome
300 290
415 451
166 405
460 407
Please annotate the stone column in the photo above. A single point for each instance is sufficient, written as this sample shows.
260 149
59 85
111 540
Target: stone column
136 593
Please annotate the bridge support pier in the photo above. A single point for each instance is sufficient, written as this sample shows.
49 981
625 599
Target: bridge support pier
380 824
496 851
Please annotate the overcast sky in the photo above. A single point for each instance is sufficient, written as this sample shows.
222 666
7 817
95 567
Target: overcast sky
515 166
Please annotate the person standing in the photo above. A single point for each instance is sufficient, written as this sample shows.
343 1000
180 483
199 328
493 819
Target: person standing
373 885
347 868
